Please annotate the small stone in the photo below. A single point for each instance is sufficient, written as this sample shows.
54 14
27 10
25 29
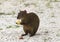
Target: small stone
21 37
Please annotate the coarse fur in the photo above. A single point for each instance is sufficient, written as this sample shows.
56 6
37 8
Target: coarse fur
30 22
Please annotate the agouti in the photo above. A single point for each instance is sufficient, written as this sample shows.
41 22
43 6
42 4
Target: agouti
30 22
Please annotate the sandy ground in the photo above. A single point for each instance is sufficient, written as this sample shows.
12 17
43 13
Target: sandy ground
48 12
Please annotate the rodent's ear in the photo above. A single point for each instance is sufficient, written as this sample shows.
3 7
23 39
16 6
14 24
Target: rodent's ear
25 11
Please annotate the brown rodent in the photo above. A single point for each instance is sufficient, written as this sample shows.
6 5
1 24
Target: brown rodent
30 22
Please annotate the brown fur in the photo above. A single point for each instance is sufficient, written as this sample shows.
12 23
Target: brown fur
30 22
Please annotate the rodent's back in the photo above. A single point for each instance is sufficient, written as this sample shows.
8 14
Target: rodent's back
34 19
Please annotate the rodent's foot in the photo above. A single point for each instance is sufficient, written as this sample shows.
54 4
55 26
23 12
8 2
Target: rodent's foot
23 34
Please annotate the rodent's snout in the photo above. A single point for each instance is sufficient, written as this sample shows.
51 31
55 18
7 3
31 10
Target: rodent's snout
18 21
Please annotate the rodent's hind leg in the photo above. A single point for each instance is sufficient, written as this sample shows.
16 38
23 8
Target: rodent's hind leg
32 34
26 32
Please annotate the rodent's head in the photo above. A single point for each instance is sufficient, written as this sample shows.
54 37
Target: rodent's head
21 18
21 14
